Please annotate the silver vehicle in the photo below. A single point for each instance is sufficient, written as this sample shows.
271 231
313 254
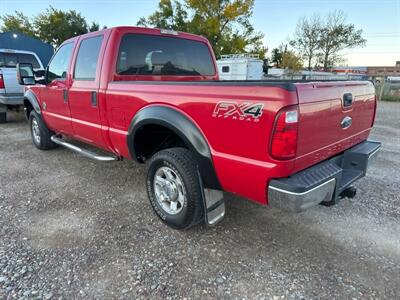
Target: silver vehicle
11 92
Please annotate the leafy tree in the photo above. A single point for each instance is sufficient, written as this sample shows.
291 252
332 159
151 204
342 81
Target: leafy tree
336 35
95 27
52 26
291 61
224 22
55 26
169 15
307 38
277 55
17 22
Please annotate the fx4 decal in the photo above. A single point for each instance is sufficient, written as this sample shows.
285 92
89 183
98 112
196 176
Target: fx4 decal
250 112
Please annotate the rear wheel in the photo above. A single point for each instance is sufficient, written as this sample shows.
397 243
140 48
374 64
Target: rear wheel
40 133
174 188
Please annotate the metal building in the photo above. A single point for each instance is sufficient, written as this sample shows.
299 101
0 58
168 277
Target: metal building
20 41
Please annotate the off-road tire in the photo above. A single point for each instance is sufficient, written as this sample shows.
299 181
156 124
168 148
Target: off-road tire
183 163
44 133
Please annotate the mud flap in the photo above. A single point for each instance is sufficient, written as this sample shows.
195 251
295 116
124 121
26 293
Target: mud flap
214 205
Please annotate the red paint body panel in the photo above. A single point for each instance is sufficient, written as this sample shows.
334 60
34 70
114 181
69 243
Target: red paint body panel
321 112
239 148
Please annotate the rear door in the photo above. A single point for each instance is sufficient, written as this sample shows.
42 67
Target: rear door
334 116
83 94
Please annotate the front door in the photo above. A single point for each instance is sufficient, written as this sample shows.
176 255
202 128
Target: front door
54 95
83 93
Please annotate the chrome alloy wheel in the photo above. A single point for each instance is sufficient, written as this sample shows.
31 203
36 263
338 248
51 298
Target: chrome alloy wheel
169 190
36 131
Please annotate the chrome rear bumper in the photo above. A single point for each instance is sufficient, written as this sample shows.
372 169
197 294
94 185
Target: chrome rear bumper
324 182
12 99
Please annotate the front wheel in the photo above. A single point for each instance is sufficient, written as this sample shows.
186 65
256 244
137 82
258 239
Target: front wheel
174 188
41 135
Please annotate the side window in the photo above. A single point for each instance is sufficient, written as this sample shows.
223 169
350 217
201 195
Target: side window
11 60
58 66
87 58
225 69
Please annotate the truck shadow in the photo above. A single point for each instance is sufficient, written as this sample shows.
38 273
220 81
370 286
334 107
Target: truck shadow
14 117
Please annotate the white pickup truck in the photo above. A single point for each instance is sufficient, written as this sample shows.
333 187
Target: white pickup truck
11 92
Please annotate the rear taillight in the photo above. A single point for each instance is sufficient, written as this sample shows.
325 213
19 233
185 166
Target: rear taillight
374 115
1 82
284 135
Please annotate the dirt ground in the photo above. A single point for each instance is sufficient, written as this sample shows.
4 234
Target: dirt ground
74 228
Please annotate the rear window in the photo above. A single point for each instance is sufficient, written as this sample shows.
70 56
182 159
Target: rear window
10 60
155 55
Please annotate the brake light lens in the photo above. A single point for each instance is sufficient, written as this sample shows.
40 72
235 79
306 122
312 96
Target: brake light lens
374 115
284 135
1 82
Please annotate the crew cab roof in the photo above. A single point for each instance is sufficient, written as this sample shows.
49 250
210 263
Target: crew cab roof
148 31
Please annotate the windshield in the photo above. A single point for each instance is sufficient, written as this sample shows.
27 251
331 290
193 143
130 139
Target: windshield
10 60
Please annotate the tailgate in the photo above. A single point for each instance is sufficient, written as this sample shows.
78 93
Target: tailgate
10 81
334 116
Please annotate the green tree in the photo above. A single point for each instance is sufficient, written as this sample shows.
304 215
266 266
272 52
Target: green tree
277 55
95 27
169 15
225 23
336 35
17 22
291 61
52 26
55 26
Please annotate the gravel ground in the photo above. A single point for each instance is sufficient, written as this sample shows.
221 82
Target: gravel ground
74 228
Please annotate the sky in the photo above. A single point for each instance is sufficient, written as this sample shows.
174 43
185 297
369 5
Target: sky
276 19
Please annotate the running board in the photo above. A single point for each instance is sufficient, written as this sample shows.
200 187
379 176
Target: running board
82 151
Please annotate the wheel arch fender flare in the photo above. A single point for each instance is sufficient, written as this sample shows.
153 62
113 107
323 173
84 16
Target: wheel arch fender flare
32 99
185 128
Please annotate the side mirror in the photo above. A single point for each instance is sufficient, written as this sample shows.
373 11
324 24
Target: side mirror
25 74
40 73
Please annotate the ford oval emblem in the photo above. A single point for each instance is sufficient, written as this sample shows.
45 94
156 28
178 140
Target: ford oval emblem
346 122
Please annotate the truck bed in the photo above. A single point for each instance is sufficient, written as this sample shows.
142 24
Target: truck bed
247 142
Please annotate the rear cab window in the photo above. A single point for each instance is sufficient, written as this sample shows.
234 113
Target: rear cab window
11 59
141 54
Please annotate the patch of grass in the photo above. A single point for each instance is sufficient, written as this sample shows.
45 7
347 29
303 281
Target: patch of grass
391 98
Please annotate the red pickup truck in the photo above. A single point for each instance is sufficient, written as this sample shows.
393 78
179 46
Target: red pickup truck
153 95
